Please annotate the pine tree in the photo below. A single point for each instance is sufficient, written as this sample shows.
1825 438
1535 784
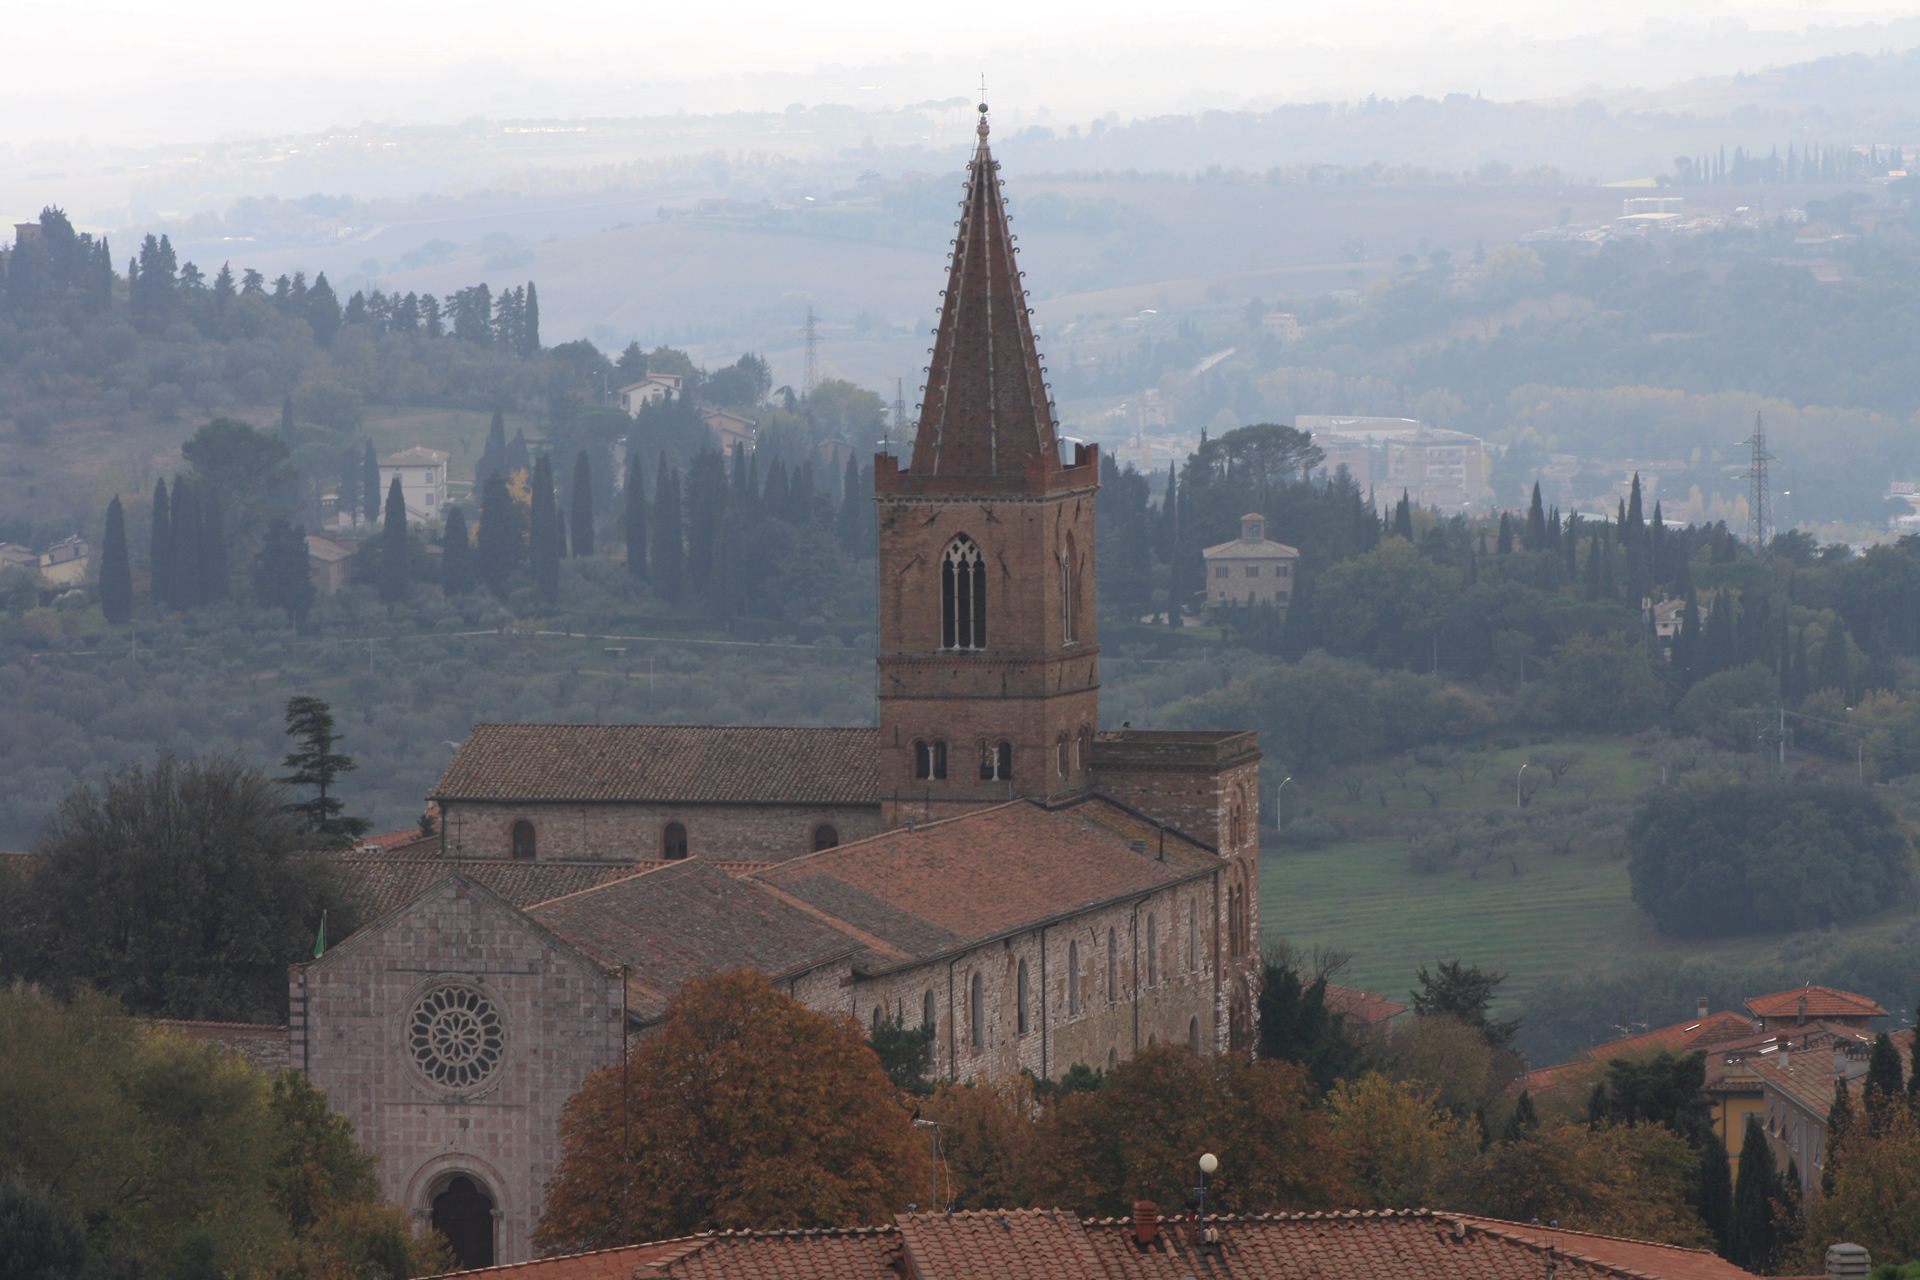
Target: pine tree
1752 1234
116 574
456 555
213 549
393 547
582 504
186 546
316 764
1536 537
160 553
369 484
493 459
633 521
542 545
668 533
497 550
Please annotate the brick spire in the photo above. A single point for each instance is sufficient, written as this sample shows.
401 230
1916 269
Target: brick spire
985 411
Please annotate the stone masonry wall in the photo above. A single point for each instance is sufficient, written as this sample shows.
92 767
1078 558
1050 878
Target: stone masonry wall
561 1019
617 832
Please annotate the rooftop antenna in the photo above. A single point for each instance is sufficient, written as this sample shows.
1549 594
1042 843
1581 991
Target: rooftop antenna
812 378
1759 492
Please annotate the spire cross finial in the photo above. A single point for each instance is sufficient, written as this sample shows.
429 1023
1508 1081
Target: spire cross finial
983 106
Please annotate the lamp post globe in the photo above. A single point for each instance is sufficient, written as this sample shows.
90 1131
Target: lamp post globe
1209 1163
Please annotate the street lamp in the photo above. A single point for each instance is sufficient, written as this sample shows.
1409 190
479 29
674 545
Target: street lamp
1203 1234
1276 799
1516 787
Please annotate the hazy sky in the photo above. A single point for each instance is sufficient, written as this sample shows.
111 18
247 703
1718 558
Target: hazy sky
116 71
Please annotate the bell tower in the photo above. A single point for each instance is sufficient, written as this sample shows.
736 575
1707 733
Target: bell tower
988 652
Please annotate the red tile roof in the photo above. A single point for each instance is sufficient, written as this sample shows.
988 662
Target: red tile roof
1711 1032
691 919
941 885
668 763
1365 1008
380 885
1821 1002
1054 1244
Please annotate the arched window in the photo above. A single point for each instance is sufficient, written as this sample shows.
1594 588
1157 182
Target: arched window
930 1019
1113 1059
1193 934
1233 920
1113 965
922 760
523 839
463 1213
996 761
825 837
1073 978
977 1014
1193 1036
1237 815
1020 998
1153 953
673 842
963 596
876 1018
1060 749
1066 593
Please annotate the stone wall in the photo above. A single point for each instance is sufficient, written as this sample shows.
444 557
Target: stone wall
559 1015
622 832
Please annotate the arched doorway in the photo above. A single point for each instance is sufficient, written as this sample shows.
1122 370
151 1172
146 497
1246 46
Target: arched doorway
463 1213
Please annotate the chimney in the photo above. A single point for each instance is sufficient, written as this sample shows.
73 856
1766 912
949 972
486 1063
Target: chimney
1847 1262
1700 1008
1801 1018
1146 1224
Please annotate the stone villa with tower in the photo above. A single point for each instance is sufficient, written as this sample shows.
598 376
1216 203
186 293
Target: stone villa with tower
986 861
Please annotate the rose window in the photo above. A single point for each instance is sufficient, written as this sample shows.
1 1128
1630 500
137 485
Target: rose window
455 1037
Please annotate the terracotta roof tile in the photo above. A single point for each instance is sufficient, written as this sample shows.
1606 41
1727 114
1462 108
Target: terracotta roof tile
381 885
1048 1244
1364 1007
1710 1032
683 764
943 884
1821 1002
690 919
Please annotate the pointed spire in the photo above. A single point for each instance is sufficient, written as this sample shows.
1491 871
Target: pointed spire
986 410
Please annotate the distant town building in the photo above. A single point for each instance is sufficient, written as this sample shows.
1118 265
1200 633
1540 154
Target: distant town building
1250 570
329 564
655 386
730 430
65 562
1282 323
1436 467
15 556
423 481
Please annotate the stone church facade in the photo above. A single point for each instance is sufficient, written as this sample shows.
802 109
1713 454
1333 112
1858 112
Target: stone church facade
987 861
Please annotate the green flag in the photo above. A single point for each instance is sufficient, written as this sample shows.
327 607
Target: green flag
320 939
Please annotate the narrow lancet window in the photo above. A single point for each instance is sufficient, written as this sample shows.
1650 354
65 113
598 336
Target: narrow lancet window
963 596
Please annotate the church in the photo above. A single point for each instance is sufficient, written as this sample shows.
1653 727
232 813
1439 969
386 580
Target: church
987 861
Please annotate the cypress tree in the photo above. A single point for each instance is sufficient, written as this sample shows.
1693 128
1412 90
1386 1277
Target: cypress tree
160 553
456 555
186 546
543 527
1686 645
854 505
1403 517
1713 1194
213 549
1833 661
116 574
668 532
1536 537
1839 1128
369 484
280 573
582 503
559 530
493 459
1590 582
1717 639
1884 1088
633 520
530 330
1553 543
1503 545
497 550
393 547
1524 1119
1752 1234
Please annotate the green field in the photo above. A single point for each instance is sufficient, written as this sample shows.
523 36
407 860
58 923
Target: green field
1535 914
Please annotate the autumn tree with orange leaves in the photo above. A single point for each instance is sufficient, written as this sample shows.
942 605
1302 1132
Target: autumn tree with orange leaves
748 1110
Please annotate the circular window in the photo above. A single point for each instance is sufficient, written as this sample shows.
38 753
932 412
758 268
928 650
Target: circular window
455 1037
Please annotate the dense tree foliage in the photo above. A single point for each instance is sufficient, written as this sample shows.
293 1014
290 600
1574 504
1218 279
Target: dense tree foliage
1739 857
179 888
747 1110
